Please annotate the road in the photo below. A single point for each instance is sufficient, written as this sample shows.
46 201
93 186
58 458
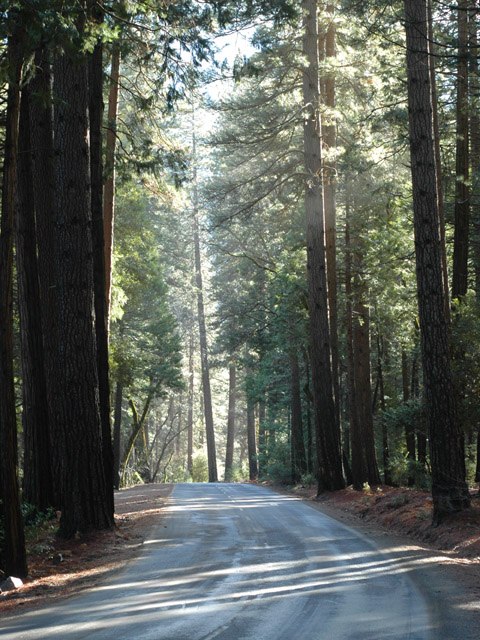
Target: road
240 562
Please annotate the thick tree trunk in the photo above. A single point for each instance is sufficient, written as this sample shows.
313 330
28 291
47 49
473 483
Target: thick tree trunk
95 111
14 558
109 190
330 475
86 502
41 134
449 489
299 461
474 90
37 468
251 439
462 191
327 44
232 390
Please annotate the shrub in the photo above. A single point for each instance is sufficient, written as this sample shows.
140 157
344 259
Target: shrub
199 468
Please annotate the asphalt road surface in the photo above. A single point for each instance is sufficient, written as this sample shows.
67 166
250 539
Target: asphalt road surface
240 562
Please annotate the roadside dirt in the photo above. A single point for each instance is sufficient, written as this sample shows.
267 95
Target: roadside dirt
59 568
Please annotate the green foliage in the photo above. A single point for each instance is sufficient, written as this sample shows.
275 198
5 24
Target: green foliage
402 469
277 464
308 480
199 468
145 347
466 360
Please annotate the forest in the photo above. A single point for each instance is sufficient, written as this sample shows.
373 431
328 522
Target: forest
239 241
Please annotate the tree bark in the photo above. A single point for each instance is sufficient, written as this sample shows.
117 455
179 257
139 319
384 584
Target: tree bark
37 474
362 369
41 134
95 110
329 175
449 489
14 556
436 132
109 190
251 439
299 461
117 434
232 389
330 475
409 428
358 458
85 499
462 191
387 476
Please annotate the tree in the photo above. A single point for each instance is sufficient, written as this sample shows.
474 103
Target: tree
207 394
449 489
38 488
13 557
232 389
84 490
327 429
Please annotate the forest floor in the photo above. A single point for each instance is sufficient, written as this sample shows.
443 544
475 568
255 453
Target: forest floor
61 568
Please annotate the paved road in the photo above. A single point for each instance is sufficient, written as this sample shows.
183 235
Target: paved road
239 562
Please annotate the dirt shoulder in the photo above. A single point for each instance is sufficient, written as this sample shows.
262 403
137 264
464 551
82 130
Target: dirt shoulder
59 568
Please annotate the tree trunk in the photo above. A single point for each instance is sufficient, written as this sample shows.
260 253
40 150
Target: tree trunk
251 439
387 477
14 557
262 434
232 389
190 404
109 190
86 503
327 44
358 458
409 428
41 123
436 132
462 191
37 475
299 461
449 489
101 322
362 370
474 90
117 434
330 475
207 394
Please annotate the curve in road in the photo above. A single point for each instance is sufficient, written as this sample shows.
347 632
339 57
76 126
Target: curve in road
240 562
